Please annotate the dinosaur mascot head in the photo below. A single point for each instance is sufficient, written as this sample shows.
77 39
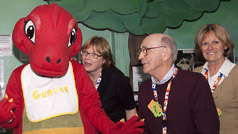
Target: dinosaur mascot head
49 36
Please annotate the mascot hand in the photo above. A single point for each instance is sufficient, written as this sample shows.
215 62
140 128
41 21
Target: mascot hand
6 110
132 126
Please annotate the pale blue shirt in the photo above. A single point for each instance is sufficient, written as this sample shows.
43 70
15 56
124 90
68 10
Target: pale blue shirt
166 78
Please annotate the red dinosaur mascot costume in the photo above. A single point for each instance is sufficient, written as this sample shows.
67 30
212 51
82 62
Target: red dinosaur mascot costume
53 94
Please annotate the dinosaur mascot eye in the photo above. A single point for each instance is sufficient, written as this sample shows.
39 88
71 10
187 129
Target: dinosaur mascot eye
73 37
30 30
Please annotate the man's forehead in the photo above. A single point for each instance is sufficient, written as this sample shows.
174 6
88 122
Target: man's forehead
150 42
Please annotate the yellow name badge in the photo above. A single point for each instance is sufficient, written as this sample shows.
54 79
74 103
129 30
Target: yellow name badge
155 108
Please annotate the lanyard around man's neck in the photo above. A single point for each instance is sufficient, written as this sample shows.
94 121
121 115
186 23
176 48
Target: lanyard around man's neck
166 99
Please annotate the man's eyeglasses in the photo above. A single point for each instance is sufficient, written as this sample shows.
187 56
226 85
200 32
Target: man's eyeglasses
91 55
144 50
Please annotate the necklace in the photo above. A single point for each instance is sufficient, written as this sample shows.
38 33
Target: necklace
97 80
94 80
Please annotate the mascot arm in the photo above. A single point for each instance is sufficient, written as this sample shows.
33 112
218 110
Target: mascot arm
13 102
90 101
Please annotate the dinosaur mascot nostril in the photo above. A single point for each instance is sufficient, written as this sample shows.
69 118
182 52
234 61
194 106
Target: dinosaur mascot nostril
53 94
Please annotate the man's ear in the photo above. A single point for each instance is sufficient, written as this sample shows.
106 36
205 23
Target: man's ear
166 54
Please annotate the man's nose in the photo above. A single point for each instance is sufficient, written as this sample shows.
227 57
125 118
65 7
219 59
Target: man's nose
140 56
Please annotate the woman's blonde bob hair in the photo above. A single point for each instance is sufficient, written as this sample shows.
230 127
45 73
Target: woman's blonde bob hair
220 32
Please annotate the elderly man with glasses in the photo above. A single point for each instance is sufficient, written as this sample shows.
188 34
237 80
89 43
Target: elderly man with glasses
173 101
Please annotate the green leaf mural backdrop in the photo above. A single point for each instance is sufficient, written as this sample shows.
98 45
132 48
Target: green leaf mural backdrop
138 17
